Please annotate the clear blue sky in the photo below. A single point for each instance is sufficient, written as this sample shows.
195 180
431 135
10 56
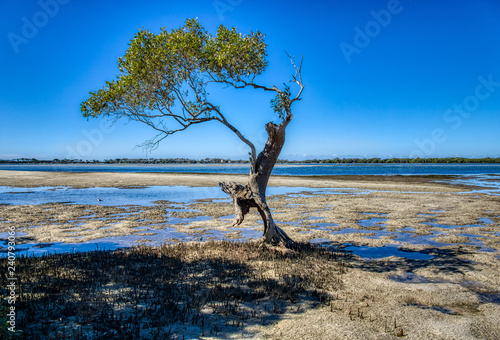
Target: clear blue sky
383 78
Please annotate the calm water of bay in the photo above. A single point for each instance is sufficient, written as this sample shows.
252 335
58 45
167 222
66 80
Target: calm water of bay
481 175
285 169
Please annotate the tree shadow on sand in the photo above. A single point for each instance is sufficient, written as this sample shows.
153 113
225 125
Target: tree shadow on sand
446 261
449 265
180 291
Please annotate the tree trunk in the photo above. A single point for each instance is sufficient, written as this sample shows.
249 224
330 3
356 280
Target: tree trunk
253 194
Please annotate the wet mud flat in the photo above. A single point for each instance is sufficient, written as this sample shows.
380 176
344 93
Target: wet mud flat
419 260
190 290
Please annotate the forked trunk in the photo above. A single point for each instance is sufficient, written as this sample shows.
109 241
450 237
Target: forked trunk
253 194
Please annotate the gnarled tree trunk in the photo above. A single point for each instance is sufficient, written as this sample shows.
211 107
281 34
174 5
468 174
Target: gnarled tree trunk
170 79
253 194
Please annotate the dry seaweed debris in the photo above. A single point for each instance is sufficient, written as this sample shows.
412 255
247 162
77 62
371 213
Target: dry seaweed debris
174 291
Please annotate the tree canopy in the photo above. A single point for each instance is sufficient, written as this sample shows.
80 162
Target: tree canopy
166 75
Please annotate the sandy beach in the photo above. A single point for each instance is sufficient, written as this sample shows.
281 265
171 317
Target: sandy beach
440 280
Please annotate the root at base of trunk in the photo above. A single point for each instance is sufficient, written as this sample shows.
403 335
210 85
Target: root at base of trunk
244 199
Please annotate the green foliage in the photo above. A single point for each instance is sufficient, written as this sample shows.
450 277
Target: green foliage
173 67
230 55
281 103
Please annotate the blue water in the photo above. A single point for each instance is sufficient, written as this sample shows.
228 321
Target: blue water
138 196
373 253
280 169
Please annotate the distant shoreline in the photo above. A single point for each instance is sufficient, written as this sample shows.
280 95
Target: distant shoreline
221 161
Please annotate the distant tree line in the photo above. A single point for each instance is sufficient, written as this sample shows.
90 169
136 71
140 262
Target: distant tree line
123 161
401 160
455 160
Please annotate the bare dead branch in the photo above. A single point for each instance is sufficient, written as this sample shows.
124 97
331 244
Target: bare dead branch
297 77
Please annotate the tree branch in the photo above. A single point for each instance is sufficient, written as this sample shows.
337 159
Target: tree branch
242 85
297 77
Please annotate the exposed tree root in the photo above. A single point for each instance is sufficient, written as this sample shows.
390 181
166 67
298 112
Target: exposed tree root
244 199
